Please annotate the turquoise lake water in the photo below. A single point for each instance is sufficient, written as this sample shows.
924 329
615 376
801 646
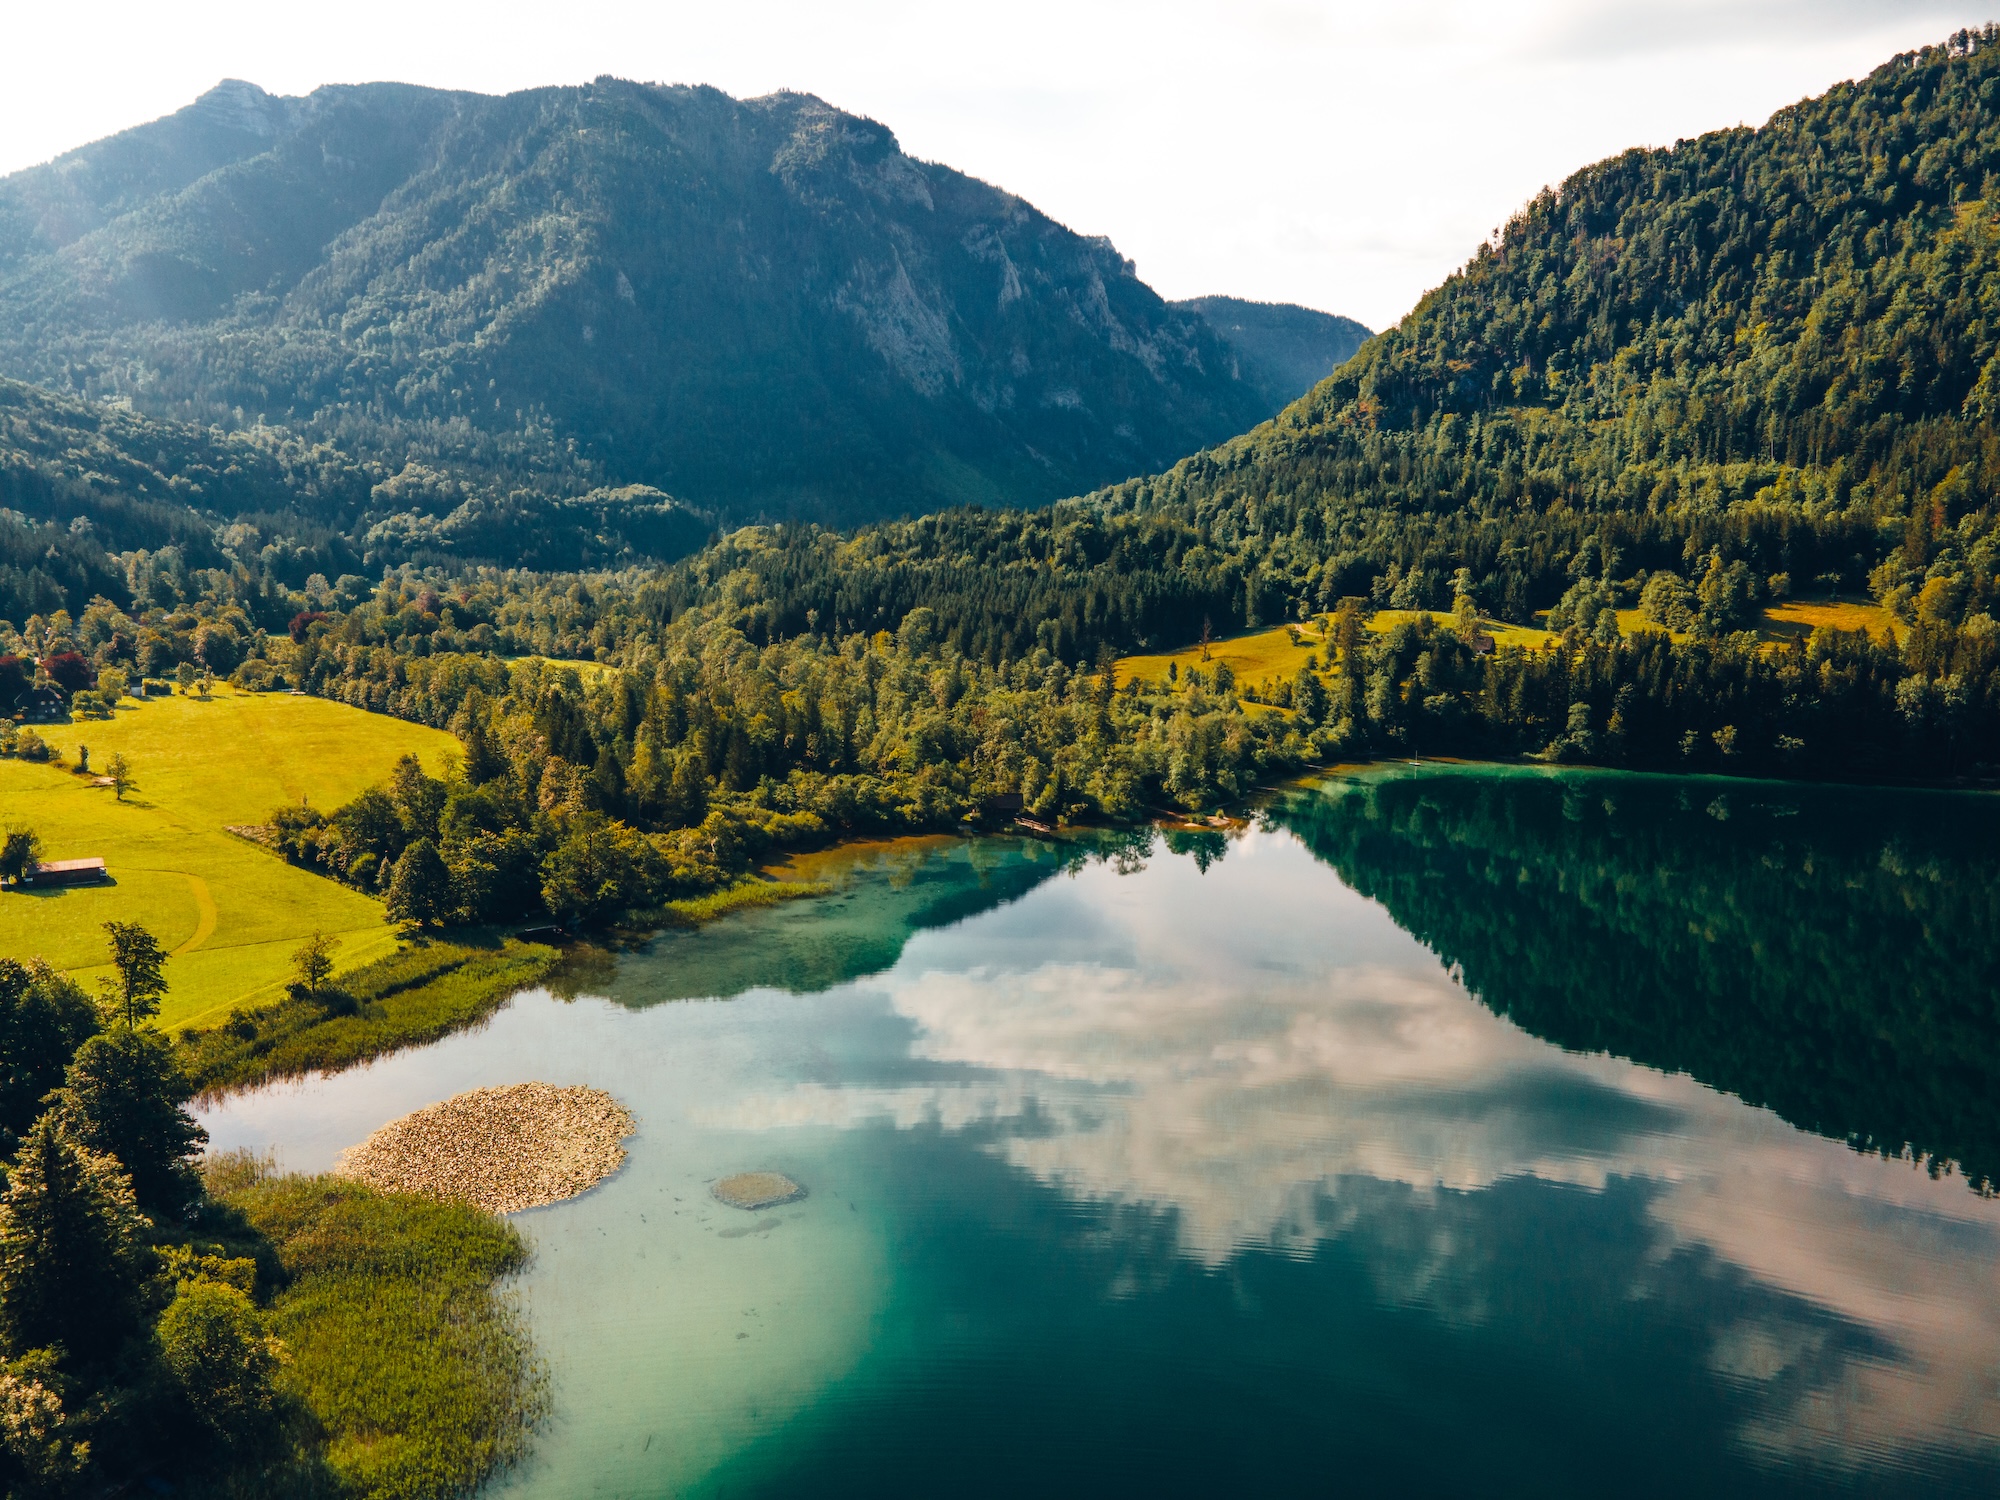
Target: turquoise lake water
1448 1131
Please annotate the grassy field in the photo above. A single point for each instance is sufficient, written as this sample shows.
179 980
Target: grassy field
1257 655
589 671
1252 656
229 912
1803 616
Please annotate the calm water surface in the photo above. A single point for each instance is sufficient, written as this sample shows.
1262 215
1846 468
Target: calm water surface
1451 1131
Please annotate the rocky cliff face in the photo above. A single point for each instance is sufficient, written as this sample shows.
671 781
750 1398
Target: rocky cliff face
764 307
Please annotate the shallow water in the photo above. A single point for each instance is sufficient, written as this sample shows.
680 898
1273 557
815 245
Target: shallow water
1182 1166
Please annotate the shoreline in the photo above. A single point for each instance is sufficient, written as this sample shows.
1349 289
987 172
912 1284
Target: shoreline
457 985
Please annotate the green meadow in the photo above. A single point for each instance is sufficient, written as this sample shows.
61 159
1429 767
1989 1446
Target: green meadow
1260 656
229 912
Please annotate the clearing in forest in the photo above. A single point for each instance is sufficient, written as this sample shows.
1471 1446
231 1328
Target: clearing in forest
1252 656
1257 656
229 912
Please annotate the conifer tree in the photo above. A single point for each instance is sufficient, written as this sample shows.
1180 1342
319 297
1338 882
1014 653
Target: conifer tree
125 1095
69 1249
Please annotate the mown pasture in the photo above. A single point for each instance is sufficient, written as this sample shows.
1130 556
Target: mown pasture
230 913
1256 656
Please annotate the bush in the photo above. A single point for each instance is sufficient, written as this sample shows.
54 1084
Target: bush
254 676
216 1348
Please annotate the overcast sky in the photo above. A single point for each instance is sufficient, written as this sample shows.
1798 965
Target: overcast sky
1344 155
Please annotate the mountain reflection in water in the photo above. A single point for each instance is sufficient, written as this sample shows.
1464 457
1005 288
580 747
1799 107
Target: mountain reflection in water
1196 1170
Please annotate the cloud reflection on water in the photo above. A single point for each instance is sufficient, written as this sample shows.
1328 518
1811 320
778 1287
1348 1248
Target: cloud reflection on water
1243 1049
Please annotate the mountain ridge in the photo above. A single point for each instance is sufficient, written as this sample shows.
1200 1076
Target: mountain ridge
1286 349
761 305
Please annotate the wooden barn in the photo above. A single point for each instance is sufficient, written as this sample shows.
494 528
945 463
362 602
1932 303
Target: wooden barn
67 872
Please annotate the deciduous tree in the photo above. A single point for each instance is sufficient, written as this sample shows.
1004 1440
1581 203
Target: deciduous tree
420 890
138 981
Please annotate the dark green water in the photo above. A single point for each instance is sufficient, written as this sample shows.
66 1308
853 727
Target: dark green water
1453 1131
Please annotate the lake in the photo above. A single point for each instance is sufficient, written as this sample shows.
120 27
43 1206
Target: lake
1448 1130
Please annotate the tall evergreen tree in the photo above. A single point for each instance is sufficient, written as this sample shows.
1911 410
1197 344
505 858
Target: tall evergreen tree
44 1018
70 1232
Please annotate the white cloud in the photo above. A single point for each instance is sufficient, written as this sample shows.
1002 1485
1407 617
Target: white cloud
1221 1079
1343 154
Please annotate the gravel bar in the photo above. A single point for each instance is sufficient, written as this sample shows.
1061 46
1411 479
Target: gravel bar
503 1149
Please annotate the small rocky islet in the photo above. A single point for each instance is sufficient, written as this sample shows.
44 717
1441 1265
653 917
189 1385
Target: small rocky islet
503 1149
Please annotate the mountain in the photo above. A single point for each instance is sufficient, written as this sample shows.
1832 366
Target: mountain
1688 380
1282 349
762 307
1779 347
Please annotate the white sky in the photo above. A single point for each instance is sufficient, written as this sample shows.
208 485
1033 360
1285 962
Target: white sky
1344 155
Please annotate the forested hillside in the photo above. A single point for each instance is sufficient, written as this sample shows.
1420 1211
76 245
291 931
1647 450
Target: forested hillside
1688 381
762 307
1778 342
97 500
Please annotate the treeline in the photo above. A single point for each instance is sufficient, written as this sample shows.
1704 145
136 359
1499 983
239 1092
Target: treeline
133 1345
583 796
1835 704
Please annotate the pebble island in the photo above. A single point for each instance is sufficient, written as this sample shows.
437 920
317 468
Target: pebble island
502 1149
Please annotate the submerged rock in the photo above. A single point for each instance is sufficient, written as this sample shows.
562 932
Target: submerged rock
756 1190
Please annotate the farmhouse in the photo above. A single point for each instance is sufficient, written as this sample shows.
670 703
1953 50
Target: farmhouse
42 705
67 872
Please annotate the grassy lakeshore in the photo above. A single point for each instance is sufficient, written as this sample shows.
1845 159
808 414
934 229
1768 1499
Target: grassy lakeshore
742 896
408 998
417 1375
229 912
